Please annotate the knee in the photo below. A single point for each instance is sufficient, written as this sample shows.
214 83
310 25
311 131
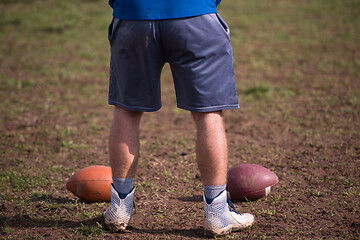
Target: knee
203 116
123 113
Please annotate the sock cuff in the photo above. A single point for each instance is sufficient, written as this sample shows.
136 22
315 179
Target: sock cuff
123 180
215 187
212 191
123 185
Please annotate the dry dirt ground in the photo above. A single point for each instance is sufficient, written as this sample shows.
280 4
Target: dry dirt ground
317 196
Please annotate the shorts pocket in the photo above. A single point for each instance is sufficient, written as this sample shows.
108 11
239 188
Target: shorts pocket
110 29
223 24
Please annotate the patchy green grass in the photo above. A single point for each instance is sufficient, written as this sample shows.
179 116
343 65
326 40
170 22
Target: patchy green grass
22 181
259 91
90 230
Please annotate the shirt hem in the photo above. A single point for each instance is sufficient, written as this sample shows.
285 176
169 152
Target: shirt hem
132 17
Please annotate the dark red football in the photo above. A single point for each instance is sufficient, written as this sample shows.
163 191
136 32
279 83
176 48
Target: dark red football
250 182
91 184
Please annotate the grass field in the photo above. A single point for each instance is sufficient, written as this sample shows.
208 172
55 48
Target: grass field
297 65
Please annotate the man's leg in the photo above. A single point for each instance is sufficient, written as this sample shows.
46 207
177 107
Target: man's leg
124 144
211 153
124 155
211 147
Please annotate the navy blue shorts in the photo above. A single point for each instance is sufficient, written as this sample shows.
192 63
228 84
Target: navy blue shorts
198 51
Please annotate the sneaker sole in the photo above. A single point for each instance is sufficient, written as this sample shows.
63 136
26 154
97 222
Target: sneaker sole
210 233
225 231
114 227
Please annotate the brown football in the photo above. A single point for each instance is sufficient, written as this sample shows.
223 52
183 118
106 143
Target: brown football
91 184
250 182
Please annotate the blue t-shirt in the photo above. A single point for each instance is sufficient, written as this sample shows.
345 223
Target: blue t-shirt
161 9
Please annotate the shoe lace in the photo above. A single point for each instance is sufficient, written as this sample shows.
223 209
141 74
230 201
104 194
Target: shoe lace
231 206
134 206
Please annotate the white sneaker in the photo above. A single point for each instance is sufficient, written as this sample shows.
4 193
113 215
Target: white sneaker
118 215
220 220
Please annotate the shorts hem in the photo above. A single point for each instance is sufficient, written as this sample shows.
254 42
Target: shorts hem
209 109
132 108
